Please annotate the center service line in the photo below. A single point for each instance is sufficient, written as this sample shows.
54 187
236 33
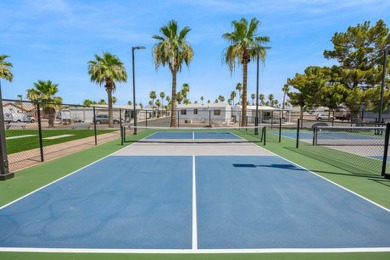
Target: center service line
194 210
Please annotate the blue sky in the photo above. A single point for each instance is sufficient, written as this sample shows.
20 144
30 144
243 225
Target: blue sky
55 39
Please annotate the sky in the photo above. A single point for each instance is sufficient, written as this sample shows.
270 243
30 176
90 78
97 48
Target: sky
55 39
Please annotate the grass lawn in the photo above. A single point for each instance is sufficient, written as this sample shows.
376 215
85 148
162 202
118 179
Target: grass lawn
26 139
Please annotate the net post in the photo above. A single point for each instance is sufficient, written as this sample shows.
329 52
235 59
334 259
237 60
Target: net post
40 132
94 124
298 127
386 149
122 134
265 136
314 135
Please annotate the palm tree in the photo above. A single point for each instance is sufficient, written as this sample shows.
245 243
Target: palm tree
262 98
253 96
184 90
221 98
244 44
233 95
271 99
44 92
107 70
162 96
202 98
153 96
179 97
173 50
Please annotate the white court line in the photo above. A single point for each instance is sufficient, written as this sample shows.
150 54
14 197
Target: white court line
197 251
17 137
193 135
56 137
194 209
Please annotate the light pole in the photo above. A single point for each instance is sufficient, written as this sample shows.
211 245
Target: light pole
134 107
383 83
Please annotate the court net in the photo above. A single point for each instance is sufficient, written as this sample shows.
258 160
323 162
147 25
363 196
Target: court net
349 135
193 134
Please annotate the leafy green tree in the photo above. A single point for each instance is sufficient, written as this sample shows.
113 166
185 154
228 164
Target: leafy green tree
107 70
244 42
221 98
88 102
44 92
102 102
359 52
308 86
172 49
114 100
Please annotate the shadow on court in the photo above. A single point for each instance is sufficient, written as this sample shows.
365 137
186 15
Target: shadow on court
279 166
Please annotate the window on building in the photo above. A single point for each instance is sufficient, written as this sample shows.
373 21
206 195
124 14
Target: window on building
217 112
195 111
183 112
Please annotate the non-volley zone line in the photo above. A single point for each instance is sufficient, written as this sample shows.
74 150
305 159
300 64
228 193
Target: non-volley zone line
187 204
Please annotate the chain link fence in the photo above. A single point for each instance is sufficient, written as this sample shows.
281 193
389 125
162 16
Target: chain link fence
36 132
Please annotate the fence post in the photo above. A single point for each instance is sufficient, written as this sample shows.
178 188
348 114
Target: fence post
385 151
94 124
298 127
40 132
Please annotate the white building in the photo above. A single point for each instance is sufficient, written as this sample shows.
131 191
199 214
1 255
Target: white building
204 113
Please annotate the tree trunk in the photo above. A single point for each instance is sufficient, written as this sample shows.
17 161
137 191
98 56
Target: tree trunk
110 112
173 100
244 93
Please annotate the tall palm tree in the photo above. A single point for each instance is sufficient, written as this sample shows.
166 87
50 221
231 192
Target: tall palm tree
107 70
44 92
244 43
172 49
202 98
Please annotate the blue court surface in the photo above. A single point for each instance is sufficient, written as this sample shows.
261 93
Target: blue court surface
152 202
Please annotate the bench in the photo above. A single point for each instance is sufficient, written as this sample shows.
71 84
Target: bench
82 126
16 125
